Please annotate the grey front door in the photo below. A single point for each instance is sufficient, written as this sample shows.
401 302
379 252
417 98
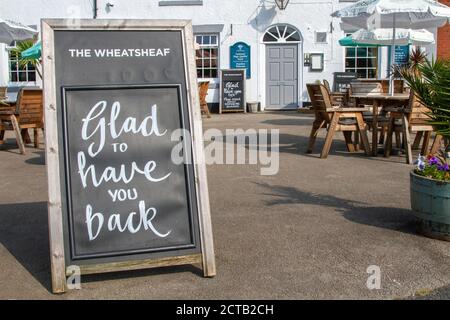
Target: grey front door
281 76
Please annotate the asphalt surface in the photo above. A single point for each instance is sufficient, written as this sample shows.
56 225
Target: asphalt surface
308 232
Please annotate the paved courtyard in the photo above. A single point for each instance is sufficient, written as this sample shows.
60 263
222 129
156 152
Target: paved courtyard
310 231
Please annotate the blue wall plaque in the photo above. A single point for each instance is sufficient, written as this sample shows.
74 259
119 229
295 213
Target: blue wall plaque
401 55
240 54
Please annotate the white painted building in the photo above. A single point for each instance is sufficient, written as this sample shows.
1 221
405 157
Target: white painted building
279 40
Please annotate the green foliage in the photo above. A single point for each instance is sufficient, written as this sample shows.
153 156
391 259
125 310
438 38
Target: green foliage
416 58
431 84
21 47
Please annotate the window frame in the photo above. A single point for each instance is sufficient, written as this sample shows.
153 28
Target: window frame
355 58
281 35
316 34
19 70
202 46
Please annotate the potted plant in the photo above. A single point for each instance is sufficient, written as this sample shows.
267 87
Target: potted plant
430 179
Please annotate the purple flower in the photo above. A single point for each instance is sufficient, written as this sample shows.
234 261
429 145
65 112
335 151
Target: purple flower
420 163
433 160
443 167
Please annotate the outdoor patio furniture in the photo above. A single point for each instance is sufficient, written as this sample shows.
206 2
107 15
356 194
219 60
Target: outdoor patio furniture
334 118
327 84
380 101
3 91
203 92
370 87
399 85
27 114
337 98
408 120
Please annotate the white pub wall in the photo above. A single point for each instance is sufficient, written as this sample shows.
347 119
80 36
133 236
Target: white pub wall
242 20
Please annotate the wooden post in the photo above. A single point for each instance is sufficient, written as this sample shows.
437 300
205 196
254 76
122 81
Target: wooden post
330 134
376 105
18 133
208 256
55 219
407 139
363 132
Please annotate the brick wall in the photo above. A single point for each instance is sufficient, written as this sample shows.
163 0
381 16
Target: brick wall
443 40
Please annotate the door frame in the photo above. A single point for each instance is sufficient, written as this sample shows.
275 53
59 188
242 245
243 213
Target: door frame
262 61
267 45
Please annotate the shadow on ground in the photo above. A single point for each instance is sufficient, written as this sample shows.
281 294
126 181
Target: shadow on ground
397 219
24 233
297 144
39 160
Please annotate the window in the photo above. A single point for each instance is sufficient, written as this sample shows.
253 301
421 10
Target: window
321 37
363 61
207 55
281 34
18 73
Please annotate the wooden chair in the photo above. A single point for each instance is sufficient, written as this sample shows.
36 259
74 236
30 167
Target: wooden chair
28 114
3 91
367 88
337 98
327 85
437 144
203 92
409 120
334 118
398 84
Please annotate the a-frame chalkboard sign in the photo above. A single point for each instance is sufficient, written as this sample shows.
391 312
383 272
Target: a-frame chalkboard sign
124 149
232 91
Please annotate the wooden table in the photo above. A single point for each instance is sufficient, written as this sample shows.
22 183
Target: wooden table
380 100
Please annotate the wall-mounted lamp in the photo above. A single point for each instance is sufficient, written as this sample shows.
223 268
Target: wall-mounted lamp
282 4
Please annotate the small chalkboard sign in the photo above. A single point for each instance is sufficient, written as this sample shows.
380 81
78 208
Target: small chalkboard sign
117 105
232 90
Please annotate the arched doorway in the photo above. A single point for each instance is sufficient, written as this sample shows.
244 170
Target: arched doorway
282 71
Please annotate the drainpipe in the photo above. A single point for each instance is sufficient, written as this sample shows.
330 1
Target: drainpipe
95 9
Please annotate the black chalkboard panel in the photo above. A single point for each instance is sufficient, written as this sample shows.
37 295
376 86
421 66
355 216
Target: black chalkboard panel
232 90
125 195
124 199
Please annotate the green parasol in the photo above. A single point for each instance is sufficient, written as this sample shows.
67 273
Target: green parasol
349 42
34 52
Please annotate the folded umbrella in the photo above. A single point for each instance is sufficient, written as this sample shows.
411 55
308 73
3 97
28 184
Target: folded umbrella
349 42
13 31
384 37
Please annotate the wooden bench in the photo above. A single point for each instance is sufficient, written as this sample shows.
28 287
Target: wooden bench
28 114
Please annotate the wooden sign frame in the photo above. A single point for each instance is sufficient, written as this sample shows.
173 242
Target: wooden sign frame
55 213
244 88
